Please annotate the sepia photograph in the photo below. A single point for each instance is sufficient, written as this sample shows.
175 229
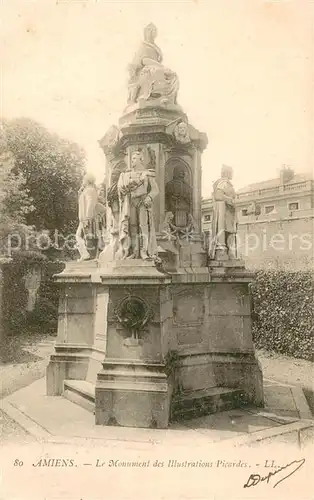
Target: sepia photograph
156 249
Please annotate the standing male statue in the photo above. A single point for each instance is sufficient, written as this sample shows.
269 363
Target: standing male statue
91 219
178 197
137 189
224 226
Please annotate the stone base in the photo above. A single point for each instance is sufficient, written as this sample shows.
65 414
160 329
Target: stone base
132 394
151 112
202 315
197 372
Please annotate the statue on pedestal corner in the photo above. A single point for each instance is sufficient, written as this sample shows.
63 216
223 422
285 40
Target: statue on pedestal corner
148 77
91 219
137 189
224 225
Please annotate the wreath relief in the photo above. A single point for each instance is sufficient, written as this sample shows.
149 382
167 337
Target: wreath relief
133 313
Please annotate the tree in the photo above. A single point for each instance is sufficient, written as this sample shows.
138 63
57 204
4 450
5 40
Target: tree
15 202
52 168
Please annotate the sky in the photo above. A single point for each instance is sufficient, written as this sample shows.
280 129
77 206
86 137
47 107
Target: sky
245 70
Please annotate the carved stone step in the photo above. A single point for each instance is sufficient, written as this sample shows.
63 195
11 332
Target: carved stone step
81 393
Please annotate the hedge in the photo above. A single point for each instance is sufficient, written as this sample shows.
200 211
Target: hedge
283 312
14 296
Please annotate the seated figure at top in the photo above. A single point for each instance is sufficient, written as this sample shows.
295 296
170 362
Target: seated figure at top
178 197
148 77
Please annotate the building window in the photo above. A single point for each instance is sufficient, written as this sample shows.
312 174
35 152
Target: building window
207 218
293 206
269 209
244 211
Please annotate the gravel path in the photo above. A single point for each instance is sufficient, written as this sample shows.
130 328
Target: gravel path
24 361
292 371
13 433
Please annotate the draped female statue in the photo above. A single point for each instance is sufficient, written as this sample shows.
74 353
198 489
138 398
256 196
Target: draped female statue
91 219
148 77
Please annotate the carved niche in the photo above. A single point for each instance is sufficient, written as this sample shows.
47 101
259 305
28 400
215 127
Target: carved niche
178 192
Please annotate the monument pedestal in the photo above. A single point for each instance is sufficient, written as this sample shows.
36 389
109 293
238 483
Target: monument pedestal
140 348
132 388
211 332
122 311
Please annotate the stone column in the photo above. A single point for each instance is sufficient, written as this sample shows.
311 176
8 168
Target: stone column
160 165
101 301
100 322
158 214
108 184
197 195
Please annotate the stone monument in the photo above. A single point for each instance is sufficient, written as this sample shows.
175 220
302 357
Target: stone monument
155 329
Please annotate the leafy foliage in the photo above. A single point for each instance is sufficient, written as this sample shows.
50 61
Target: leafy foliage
52 168
15 294
15 202
284 312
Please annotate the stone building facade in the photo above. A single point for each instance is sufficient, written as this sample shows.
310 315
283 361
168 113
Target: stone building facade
275 222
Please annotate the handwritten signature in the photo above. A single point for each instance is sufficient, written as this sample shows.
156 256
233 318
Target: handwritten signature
291 468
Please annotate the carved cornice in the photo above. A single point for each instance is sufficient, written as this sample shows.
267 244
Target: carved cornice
152 136
179 151
145 137
149 131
